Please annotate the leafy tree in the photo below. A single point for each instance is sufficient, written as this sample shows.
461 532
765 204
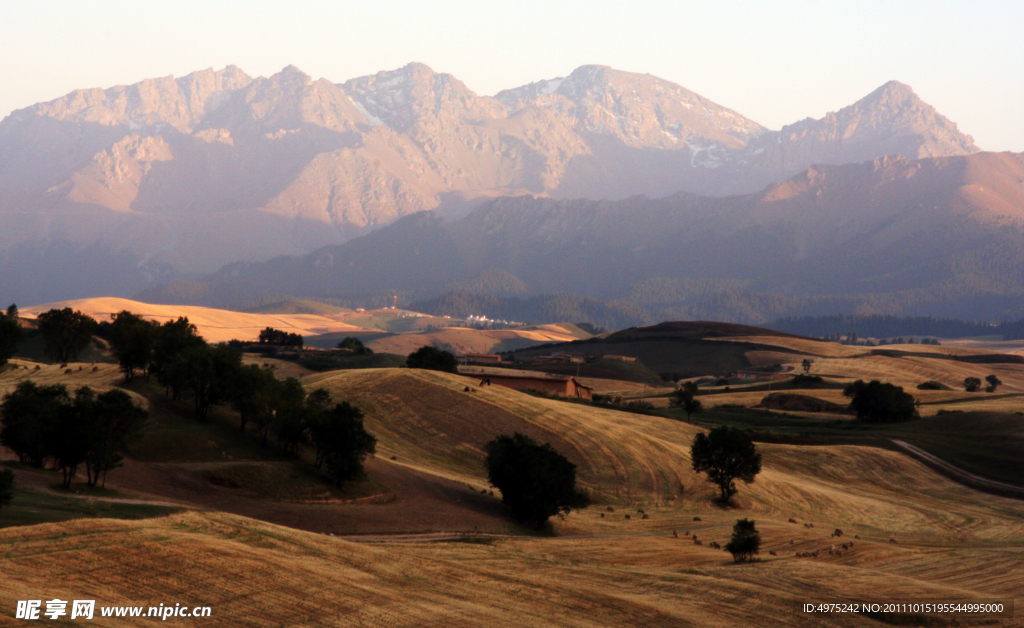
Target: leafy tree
745 542
972 384
10 336
875 402
30 414
67 332
725 454
6 487
535 480
993 383
112 421
207 374
290 420
271 336
686 399
66 437
171 340
341 440
132 339
806 364
355 345
433 359
12 310
254 394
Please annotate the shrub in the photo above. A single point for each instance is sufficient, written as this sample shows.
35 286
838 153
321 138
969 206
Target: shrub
432 359
806 381
745 542
875 402
932 385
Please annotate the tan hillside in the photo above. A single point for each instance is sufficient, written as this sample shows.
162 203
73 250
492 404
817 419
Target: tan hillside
465 340
952 542
255 574
213 325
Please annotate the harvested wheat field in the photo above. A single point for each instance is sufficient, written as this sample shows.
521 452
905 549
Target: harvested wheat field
951 542
255 574
213 325
98 376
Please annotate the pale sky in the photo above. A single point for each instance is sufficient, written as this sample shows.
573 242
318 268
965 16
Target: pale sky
774 62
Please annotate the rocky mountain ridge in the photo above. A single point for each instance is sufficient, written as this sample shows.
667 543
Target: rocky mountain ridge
934 236
184 175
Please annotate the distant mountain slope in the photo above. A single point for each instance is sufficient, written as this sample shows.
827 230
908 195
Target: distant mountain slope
938 236
122 187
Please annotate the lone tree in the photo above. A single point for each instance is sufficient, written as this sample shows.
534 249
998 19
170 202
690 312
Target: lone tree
972 384
432 359
745 542
536 481
726 454
10 336
993 383
67 332
807 362
875 402
6 487
686 398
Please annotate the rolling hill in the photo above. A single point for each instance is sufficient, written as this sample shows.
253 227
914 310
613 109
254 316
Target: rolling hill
212 324
951 542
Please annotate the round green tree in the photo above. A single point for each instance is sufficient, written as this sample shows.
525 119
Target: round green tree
536 481
725 454
432 359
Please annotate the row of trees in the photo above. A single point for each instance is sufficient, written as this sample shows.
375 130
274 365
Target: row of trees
284 409
45 424
276 337
190 368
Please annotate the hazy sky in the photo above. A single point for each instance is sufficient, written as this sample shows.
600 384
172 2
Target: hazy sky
775 62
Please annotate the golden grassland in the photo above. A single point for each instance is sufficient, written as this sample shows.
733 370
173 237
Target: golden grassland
214 325
842 364
466 340
103 378
952 542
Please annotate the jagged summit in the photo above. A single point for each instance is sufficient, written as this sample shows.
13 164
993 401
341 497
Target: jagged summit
280 164
400 98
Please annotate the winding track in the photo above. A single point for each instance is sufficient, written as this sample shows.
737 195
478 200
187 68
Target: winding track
957 473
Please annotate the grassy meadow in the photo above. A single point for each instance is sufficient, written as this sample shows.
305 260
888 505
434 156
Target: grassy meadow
204 514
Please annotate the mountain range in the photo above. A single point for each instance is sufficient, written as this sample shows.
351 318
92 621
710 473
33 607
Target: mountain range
108 192
941 236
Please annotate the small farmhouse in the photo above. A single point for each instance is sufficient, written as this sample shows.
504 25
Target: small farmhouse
563 386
